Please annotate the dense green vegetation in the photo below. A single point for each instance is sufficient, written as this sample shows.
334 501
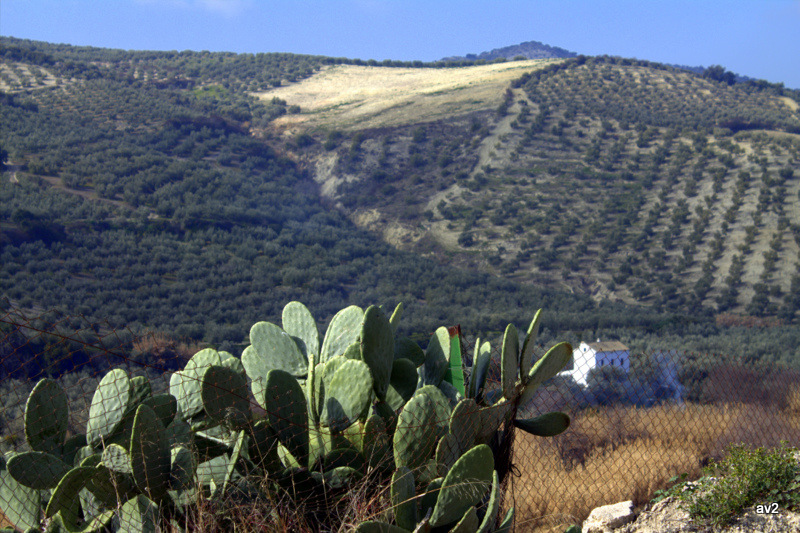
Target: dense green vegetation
147 189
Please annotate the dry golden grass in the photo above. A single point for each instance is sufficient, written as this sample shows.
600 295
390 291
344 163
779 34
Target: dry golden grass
161 348
358 97
619 454
793 400
791 104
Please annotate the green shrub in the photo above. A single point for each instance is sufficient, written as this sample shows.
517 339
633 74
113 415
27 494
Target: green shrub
745 477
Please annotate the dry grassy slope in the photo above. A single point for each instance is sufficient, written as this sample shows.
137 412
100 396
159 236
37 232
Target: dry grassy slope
351 97
537 209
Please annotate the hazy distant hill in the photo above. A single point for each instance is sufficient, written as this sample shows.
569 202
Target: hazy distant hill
528 50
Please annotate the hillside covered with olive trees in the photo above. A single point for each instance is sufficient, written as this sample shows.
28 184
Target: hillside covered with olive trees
196 193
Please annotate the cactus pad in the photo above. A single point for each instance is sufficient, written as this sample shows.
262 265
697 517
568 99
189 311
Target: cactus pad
507 523
20 504
224 395
545 368
46 417
447 453
377 348
109 405
164 405
271 348
480 369
109 487
403 383
546 425
492 508
150 454
441 406
186 385
468 523
288 413
465 421
179 432
299 323
352 352
116 458
139 515
436 358
140 391
492 418
348 393
182 475
376 444
403 497
464 486
396 315
416 434
430 496
344 329
509 361
526 357
37 470
343 457
64 498
405 348
338 477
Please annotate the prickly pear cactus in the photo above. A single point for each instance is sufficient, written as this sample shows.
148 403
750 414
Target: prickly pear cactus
358 403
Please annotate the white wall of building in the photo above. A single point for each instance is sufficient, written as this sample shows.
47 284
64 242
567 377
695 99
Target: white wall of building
591 355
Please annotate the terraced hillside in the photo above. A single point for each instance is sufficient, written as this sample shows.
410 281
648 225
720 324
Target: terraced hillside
156 190
149 202
621 179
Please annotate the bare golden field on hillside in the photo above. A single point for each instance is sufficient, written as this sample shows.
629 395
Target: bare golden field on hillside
361 97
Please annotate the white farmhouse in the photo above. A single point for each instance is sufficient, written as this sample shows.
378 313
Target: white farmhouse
593 354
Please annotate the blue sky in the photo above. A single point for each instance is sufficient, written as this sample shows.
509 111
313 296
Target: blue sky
757 38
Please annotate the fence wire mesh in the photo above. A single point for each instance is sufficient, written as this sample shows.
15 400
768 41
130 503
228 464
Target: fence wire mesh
93 418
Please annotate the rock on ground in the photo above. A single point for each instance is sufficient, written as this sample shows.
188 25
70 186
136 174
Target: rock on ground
609 517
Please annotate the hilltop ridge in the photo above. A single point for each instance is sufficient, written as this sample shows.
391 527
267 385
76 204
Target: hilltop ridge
527 50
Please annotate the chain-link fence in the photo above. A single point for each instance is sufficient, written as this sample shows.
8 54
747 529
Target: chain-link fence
127 429
638 420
